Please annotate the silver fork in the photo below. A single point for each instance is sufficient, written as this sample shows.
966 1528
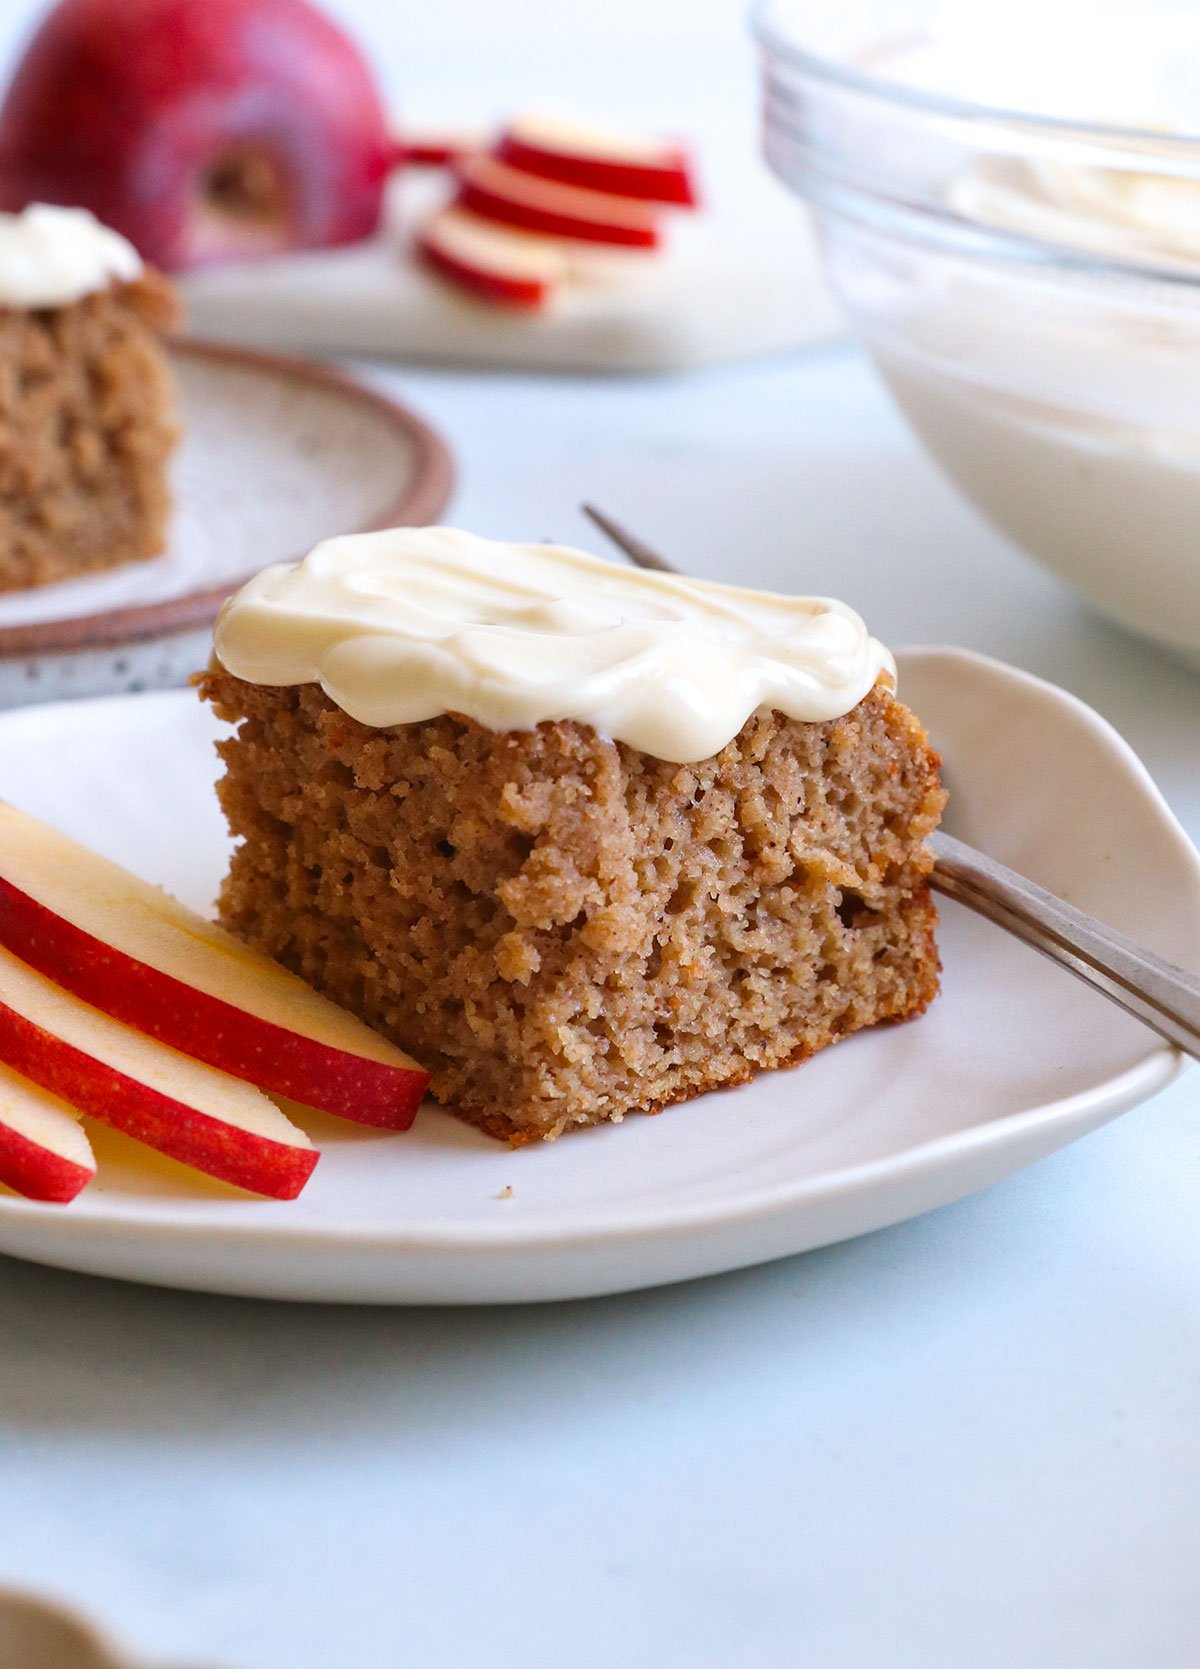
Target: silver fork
1165 997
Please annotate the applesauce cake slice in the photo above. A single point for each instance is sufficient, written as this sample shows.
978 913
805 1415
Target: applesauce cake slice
87 405
583 839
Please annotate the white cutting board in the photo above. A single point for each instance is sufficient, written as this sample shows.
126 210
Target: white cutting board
739 278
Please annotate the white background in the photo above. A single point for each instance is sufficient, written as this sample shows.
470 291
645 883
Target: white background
970 1442
489 56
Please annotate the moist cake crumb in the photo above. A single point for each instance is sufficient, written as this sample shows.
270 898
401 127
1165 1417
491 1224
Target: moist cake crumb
87 428
565 929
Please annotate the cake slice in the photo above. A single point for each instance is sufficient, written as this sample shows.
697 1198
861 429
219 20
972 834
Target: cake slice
87 407
586 841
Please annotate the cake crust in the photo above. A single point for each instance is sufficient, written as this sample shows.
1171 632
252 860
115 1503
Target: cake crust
564 929
87 428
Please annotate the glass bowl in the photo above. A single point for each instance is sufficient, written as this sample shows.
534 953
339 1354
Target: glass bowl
1023 267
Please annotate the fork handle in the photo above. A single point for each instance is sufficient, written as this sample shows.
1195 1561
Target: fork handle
1165 997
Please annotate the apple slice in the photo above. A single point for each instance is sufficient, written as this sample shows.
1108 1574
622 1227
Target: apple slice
579 155
496 191
432 149
128 948
44 1153
516 269
184 1109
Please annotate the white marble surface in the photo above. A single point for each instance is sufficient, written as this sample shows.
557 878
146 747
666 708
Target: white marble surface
971 1440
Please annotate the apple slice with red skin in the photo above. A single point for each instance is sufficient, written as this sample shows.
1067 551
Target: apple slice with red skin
186 1110
130 949
515 269
44 1153
498 192
434 150
598 161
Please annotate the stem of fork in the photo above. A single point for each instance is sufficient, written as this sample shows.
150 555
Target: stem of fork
1161 995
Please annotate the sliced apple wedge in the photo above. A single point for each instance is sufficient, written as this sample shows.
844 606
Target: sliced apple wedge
44 1153
129 949
179 1106
431 149
598 160
516 269
496 191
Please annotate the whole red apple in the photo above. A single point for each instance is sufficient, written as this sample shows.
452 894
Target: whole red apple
203 130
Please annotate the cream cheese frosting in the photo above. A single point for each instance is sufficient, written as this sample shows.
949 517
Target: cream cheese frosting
50 257
404 625
1101 64
1147 216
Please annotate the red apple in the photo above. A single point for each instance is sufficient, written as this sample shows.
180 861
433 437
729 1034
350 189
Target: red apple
598 160
201 129
104 1069
515 269
495 191
128 948
44 1153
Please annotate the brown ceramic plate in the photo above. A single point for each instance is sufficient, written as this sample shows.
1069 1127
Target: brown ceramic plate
277 454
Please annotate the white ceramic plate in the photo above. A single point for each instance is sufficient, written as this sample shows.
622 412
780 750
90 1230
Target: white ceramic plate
276 454
1014 1060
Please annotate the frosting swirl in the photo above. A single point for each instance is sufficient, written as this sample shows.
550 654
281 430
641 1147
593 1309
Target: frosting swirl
50 257
404 625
